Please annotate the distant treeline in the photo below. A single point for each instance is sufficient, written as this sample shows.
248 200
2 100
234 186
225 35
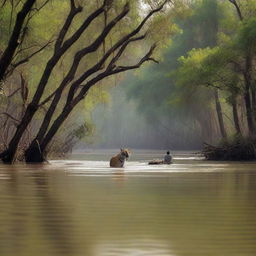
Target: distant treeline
204 89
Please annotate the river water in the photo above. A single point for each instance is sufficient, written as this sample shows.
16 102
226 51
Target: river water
82 207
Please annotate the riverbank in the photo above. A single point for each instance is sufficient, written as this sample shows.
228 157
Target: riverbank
235 149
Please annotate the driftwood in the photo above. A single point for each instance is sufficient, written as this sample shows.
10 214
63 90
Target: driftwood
240 149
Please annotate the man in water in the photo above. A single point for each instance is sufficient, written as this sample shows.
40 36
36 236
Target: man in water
168 158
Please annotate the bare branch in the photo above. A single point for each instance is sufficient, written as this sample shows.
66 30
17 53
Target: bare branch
15 65
24 89
24 49
123 47
3 4
13 93
10 116
147 57
42 6
154 60
148 16
238 10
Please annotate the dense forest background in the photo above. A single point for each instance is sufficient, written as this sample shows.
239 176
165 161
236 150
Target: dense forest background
203 90
198 87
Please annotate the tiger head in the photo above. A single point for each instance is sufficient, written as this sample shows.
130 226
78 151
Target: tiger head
125 153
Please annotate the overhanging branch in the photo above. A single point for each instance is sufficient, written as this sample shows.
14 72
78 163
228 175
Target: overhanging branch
109 72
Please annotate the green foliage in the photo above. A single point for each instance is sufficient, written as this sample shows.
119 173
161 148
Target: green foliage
208 67
246 35
82 131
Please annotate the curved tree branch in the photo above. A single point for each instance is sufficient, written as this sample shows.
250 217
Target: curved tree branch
13 43
238 10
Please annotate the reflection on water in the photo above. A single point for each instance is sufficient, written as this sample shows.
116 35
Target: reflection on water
138 247
83 207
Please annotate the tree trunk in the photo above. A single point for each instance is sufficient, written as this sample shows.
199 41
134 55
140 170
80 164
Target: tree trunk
235 115
34 153
248 104
248 107
253 92
8 156
37 152
219 114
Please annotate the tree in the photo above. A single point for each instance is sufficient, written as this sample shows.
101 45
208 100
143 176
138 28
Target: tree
212 68
77 85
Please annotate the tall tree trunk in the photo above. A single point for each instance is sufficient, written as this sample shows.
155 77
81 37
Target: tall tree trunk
13 43
34 152
8 156
253 93
219 114
37 151
235 115
248 107
247 98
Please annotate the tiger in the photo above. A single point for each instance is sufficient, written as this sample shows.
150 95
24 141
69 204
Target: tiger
119 159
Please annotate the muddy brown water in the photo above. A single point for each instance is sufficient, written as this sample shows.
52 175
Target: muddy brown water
82 207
